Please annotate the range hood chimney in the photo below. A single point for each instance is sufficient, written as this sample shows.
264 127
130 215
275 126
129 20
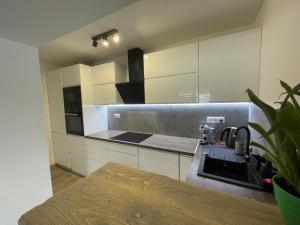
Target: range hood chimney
133 92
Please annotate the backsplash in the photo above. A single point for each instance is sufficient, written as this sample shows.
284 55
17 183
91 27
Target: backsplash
175 119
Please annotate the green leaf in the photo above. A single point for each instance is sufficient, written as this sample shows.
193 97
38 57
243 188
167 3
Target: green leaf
263 133
296 88
290 92
268 110
289 120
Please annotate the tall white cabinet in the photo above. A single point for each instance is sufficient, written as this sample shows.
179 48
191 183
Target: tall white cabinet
56 103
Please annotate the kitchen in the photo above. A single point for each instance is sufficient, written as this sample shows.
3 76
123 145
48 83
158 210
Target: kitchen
157 125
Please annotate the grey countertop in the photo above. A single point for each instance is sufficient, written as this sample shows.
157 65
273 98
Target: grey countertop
181 145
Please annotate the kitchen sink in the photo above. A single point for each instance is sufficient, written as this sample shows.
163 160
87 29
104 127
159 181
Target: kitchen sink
223 164
227 169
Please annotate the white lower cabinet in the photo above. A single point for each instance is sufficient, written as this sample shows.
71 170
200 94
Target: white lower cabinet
123 154
60 148
93 165
185 164
77 152
159 162
84 156
96 155
123 158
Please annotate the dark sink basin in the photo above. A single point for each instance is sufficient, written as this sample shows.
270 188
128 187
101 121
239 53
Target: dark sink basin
221 163
232 170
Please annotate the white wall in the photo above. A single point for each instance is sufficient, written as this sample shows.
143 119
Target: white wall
45 67
24 166
280 51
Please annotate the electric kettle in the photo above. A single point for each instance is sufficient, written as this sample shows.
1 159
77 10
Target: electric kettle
229 134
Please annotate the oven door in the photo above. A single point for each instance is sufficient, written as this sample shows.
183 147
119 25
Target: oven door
74 123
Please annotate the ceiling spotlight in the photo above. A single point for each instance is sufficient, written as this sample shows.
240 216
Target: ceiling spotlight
104 42
95 44
114 33
116 38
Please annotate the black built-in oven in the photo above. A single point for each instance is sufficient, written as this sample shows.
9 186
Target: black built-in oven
73 110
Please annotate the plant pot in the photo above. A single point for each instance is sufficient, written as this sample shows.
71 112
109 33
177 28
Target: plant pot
289 204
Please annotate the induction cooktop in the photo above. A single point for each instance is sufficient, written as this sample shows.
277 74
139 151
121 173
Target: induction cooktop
132 137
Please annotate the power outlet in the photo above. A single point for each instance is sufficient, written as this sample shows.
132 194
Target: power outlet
117 116
215 119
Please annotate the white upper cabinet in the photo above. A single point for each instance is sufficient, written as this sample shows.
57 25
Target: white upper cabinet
172 89
56 103
104 74
104 78
228 65
86 85
171 75
178 60
70 75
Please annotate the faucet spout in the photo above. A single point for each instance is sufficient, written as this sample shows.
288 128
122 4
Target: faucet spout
248 136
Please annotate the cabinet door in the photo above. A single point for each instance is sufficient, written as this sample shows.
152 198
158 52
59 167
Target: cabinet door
104 94
178 60
97 150
185 164
78 155
172 89
93 165
159 162
60 148
86 85
228 65
104 74
123 158
56 102
123 154
70 76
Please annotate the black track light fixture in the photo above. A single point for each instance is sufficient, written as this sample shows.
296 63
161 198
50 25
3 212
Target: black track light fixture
103 38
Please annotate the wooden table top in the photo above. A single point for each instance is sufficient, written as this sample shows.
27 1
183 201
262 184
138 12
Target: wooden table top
116 194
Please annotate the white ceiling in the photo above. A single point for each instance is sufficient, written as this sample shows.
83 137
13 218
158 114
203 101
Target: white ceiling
150 24
37 22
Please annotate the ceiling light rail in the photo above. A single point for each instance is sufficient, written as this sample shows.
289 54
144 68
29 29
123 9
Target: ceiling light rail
103 38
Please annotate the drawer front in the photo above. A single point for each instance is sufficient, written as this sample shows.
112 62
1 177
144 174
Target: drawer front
97 150
93 165
128 149
123 158
162 163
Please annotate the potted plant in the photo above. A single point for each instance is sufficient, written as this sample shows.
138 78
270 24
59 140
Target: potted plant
283 139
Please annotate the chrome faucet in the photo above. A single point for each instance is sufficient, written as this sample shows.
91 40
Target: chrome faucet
248 137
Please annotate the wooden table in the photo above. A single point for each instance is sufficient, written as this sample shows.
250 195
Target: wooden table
117 194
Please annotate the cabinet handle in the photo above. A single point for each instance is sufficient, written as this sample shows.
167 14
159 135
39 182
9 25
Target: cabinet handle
71 114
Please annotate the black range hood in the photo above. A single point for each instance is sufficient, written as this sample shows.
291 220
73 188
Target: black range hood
133 92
